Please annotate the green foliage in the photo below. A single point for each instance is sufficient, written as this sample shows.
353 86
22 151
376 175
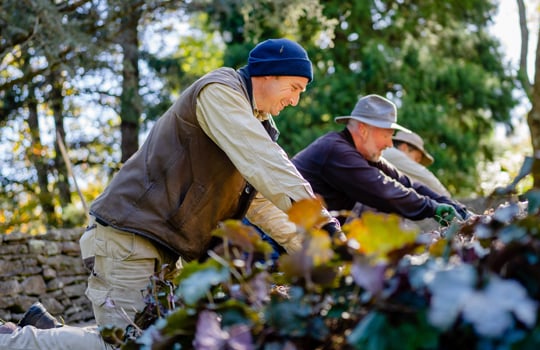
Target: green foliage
378 331
200 51
472 285
438 63
197 280
59 69
253 21
44 46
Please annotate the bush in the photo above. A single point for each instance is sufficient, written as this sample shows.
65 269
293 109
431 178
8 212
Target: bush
472 285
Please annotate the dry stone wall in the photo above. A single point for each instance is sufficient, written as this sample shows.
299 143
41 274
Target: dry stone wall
46 268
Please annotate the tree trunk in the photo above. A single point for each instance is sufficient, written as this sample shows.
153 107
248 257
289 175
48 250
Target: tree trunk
62 181
533 119
36 155
532 90
130 101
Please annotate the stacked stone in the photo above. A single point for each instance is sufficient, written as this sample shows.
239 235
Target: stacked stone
46 268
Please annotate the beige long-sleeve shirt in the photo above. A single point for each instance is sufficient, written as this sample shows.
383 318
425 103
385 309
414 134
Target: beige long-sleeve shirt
415 171
262 162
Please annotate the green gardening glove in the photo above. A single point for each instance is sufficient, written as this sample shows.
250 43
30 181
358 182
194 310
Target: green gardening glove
445 213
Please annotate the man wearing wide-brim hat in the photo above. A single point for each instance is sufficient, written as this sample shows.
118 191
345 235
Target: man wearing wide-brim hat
411 158
415 146
346 168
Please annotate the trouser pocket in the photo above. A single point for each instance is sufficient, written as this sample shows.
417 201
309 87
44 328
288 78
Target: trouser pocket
87 245
124 265
117 289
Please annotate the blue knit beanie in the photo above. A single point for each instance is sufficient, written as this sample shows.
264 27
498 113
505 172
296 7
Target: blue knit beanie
279 57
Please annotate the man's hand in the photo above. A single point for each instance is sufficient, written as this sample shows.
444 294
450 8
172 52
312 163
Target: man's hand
445 213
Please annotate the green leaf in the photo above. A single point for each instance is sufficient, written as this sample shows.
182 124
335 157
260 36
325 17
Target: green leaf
200 279
533 197
378 331
379 235
367 334
289 317
180 321
318 329
112 335
234 311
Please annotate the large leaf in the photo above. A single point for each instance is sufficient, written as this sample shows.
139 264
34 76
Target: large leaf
377 332
200 279
368 276
307 213
289 317
243 236
491 310
210 336
450 289
533 198
378 235
311 262
319 247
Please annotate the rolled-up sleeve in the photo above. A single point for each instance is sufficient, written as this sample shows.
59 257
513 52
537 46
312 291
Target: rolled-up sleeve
275 223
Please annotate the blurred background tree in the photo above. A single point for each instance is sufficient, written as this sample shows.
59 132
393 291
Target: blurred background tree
100 72
531 86
437 63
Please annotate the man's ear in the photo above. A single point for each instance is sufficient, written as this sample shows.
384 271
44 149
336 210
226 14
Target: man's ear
403 147
364 129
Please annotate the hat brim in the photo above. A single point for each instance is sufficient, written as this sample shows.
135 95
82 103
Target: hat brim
377 123
427 159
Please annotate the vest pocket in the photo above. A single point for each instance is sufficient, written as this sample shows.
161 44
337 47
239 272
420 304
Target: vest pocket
191 205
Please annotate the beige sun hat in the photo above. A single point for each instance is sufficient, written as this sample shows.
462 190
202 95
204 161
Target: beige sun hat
374 110
416 141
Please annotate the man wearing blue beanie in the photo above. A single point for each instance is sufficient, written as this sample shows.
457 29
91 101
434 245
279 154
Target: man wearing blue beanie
211 157
279 57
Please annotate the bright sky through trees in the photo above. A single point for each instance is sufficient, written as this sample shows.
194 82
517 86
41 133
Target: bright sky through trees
517 145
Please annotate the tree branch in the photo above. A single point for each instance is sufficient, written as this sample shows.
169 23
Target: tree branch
522 73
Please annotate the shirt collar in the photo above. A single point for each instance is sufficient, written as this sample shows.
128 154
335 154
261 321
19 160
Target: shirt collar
261 116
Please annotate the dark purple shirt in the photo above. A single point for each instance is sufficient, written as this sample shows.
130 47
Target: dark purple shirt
342 176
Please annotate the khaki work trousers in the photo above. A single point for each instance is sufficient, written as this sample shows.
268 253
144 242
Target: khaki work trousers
63 338
124 263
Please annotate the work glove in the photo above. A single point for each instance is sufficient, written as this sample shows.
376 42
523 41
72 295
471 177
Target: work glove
445 213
